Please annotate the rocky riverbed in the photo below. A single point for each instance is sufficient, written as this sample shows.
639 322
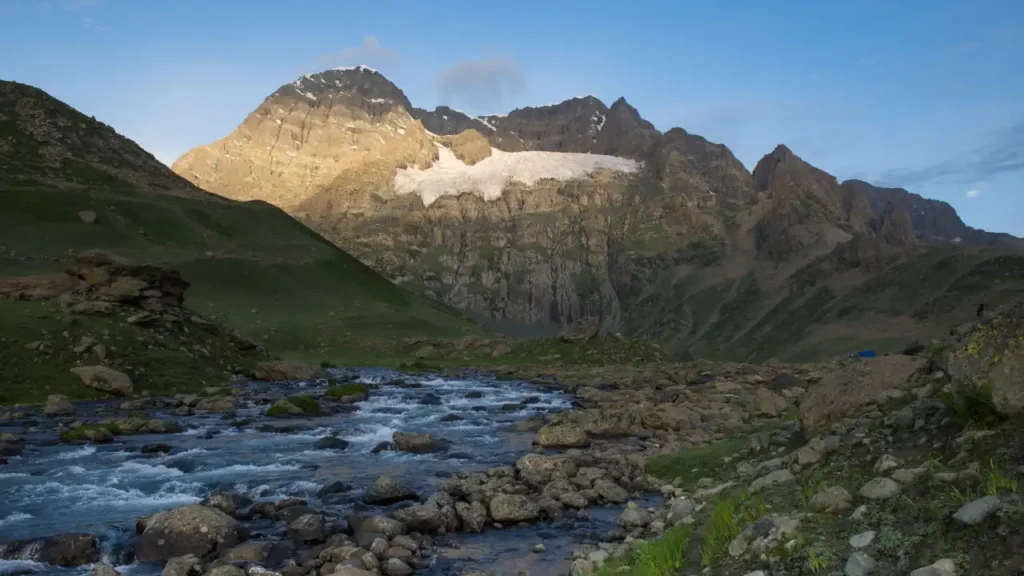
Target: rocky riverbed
280 490
882 466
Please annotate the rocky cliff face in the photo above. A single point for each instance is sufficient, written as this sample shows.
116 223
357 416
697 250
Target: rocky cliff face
596 213
933 221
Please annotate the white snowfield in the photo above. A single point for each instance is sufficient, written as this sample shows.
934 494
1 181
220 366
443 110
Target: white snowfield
449 176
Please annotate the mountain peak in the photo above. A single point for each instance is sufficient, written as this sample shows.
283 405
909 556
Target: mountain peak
361 82
359 68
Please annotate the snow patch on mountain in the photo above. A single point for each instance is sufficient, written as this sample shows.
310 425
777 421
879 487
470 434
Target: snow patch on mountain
449 176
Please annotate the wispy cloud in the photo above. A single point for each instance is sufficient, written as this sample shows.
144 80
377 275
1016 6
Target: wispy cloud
481 84
369 52
973 193
1003 153
92 24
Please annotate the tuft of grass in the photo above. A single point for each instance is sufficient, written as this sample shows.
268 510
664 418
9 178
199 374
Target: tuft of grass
728 518
307 404
691 465
996 482
971 405
337 392
818 561
809 488
961 497
665 556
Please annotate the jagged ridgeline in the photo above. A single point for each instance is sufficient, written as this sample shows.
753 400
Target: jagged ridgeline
69 183
537 219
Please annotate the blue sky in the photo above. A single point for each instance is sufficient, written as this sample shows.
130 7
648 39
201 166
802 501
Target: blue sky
928 95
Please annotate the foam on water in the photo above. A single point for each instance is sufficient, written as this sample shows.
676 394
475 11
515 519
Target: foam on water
21 566
375 435
246 468
93 495
143 469
77 453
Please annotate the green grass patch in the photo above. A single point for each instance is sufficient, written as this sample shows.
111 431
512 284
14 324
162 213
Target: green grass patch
308 404
729 516
689 466
971 405
162 362
78 434
665 556
337 392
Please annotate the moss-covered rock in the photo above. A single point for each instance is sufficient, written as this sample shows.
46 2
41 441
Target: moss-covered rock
989 357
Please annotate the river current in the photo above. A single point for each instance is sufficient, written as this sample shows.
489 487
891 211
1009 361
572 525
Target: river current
103 489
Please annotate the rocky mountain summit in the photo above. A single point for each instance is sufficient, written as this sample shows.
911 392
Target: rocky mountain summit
538 219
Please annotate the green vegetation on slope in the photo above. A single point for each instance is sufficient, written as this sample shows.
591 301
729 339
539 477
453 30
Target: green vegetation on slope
922 296
37 352
250 265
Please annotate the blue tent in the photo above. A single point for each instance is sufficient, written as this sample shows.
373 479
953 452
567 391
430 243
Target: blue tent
866 353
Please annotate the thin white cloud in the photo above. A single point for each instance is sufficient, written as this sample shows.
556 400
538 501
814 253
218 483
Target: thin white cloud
370 52
92 24
481 84
973 193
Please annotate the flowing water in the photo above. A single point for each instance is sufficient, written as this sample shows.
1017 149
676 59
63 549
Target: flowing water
61 488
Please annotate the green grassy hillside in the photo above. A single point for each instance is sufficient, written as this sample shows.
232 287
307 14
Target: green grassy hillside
252 267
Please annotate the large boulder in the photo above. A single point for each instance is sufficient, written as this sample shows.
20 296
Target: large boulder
388 527
512 508
990 356
566 435
419 443
102 270
308 528
58 405
278 370
472 516
425 518
194 529
582 330
854 389
387 490
105 379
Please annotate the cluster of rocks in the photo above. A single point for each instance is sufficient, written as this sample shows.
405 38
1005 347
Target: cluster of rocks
671 407
109 281
97 282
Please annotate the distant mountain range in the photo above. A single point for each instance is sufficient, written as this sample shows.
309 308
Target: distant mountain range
543 217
